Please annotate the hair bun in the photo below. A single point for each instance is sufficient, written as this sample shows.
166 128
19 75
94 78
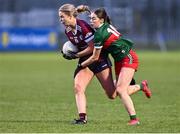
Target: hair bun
82 8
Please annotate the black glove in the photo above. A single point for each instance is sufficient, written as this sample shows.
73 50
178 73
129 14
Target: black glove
66 56
73 54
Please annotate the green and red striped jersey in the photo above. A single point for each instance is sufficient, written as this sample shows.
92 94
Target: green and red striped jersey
109 39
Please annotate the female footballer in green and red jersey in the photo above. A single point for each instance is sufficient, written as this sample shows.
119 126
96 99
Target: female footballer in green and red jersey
108 39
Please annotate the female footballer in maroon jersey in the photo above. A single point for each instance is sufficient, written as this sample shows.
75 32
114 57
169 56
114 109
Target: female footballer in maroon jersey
81 35
109 40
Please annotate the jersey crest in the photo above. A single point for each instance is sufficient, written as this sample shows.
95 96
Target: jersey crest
82 35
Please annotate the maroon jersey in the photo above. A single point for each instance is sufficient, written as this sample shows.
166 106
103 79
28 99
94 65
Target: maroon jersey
82 35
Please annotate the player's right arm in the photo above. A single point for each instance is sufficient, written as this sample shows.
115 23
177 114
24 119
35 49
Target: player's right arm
98 44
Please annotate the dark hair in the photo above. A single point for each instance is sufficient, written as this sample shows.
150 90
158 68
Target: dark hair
101 14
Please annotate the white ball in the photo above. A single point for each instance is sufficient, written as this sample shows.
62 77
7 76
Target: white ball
68 46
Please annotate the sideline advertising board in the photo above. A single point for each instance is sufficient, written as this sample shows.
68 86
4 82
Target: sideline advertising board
22 39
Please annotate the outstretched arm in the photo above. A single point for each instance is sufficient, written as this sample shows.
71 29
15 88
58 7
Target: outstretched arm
93 58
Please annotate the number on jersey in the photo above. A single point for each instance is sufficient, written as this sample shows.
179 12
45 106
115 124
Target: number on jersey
113 30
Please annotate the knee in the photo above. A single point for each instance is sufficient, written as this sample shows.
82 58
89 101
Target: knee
111 96
121 91
110 92
78 89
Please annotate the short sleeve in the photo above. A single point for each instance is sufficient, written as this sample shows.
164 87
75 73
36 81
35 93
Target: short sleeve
98 41
87 31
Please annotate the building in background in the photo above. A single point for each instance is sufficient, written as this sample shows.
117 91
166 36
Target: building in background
151 24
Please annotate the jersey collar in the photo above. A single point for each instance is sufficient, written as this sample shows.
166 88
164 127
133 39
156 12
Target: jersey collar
101 25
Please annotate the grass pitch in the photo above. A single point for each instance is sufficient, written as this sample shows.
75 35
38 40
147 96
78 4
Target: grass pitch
36 95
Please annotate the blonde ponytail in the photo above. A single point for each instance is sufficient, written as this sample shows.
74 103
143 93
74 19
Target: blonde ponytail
82 8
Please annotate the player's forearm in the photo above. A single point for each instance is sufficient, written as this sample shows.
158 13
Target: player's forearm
93 58
89 61
85 52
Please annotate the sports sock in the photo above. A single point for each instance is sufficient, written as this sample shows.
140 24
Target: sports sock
82 116
132 117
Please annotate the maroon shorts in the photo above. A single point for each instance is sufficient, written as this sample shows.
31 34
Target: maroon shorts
130 61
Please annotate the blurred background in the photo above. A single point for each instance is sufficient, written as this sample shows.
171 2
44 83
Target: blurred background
36 82
34 25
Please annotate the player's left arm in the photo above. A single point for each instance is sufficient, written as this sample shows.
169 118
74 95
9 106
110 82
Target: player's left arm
88 36
98 45
95 56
